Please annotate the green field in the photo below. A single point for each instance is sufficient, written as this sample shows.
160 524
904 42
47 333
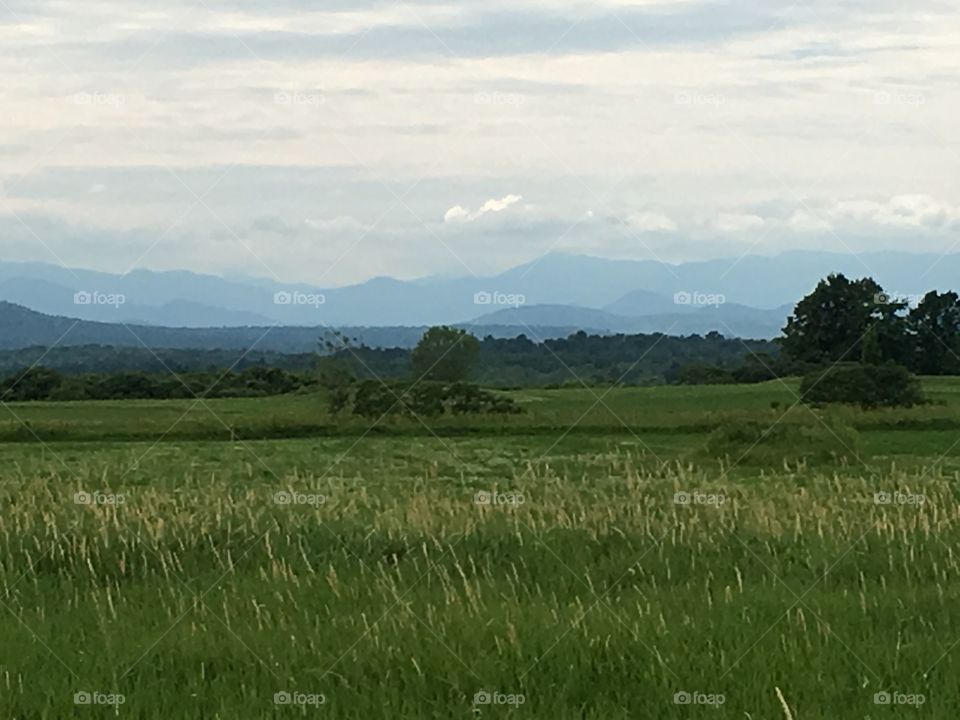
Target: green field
625 555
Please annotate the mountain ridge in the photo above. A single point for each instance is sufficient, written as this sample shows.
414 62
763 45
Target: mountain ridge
625 288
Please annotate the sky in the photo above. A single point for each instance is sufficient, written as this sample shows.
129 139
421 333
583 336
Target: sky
335 141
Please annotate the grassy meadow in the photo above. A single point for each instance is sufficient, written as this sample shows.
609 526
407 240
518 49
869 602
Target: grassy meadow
671 552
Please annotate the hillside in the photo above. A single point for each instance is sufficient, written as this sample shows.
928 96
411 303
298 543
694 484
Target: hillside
21 327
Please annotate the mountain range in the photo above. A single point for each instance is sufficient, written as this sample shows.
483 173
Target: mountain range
749 297
21 327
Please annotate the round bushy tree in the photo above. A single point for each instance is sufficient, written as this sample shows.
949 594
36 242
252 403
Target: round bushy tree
846 320
445 354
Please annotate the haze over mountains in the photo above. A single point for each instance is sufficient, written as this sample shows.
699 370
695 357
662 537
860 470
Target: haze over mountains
750 297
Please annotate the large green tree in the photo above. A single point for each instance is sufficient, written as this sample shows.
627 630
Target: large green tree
846 319
445 354
935 326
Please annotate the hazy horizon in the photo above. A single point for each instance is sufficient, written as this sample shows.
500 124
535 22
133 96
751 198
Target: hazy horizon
527 265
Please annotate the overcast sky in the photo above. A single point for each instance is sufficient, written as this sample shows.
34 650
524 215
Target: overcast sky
334 141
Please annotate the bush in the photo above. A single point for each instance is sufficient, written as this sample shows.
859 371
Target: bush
36 383
704 375
466 399
869 386
373 399
424 400
828 439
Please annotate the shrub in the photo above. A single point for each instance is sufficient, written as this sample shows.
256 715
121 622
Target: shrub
869 386
424 399
36 383
466 399
263 381
704 375
821 440
373 399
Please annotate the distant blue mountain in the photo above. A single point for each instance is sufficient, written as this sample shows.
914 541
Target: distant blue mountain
640 303
624 290
21 328
729 319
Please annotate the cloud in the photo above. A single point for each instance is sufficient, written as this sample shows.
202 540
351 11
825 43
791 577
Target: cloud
901 210
651 222
737 223
273 225
905 212
459 214
337 224
428 30
301 126
854 216
804 221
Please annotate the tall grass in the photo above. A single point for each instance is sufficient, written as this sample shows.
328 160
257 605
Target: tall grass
386 587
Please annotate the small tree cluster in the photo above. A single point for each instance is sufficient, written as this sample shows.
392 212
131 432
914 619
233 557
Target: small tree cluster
856 321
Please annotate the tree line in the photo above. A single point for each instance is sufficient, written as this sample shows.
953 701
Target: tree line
846 320
854 343
841 322
41 383
97 372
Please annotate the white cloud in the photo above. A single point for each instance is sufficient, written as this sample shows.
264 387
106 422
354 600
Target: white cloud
651 222
803 221
334 224
460 214
457 214
736 223
900 210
